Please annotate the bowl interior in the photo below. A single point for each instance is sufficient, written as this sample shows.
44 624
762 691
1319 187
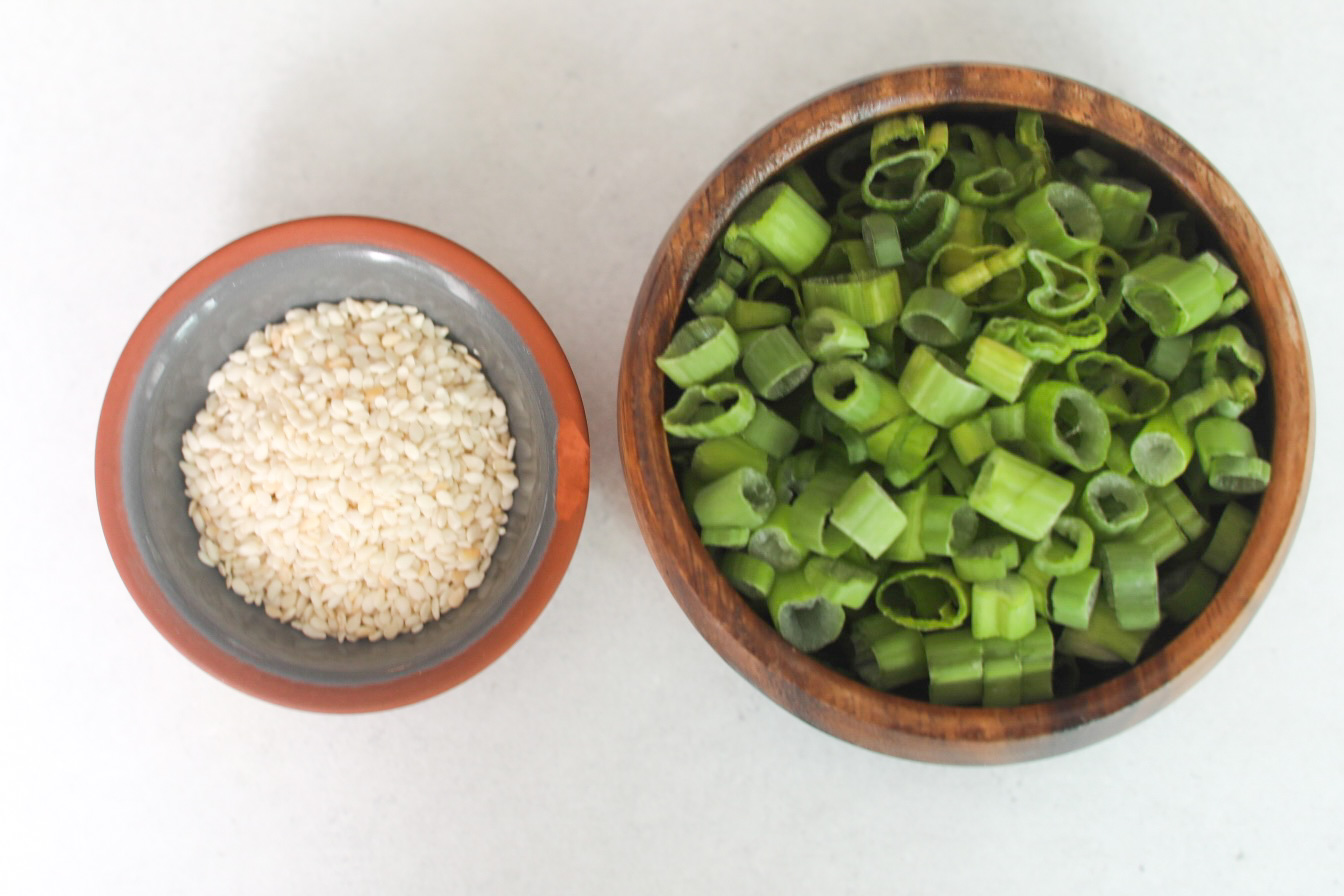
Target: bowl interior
171 389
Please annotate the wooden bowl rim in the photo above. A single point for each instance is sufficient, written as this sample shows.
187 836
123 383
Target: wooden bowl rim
843 706
571 496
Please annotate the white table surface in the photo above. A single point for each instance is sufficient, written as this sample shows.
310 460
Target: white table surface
611 751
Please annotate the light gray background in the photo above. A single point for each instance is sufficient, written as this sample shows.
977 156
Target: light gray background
610 751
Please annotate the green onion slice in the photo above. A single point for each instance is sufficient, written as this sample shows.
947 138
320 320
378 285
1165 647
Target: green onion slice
1020 496
1060 219
1067 549
802 615
925 598
703 412
751 576
1129 581
702 349
782 223
1069 424
1064 289
1112 504
1126 392
775 364
744 497
863 398
869 297
936 388
1173 295
868 515
935 317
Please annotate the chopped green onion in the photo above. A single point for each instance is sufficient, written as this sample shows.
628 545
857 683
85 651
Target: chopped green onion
933 385
1220 437
908 546
894 182
863 398
802 183
1199 401
714 300
928 224
1225 354
750 575
1112 504
1020 496
972 439
924 598
957 475
990 263
714 458
948 526
1059 218
795 472
882 240
1129 581
1008 423
887 655
725 536
956 668
1159 533
1002 672
840 581
747 314
1004 608
1185 592
999 368
783 224
773 541
829 335
1068 424
1173 295
1067 549
935 317
809 517
1064 289
1036 652
1123 206
1105 640
770 432
775 364
1239 475
744 497
801 614
703 412
1126 392
1169 356
1229 537
699 351
1117 458
1162 450
869 297
1073 597
868 515
986 559
1182 510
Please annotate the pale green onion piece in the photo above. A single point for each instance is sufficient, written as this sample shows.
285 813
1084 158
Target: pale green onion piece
956 474
870 297
801 614
1123 206
1069 424
751 576
893 183
1002 683
1225 354
949 525
914 455
988 558
1020 496
809 516
703 412
908 434
1185 592
701 350
714 300
783 224
725 536
744 497
882 240
775 286
1169 356
775 364
1064 290
1221 437
1105 640
1129 581
1182 510
1159 533
925 598
956 668
985 264
747 315
863 398
887 655
1173 295
1162 450
1004 608
1127 393
934 386
1073 597
773 541
972 439
935 317
840 581
1067 549
1008 423
714 458
1060 219
868 515
1239 475
1233 302
1229 537
829 335
1118 459
908 548
1001 369
770 433
928 223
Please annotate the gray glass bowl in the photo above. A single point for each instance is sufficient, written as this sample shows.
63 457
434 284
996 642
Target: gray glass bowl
160 384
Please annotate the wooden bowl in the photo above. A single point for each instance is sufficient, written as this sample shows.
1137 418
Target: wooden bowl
824 697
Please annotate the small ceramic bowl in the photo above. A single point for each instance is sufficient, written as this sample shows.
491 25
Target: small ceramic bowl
817 693
160 383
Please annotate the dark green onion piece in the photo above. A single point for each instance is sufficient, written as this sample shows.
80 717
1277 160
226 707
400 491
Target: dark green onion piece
809 517
1112 504
870 297
776 286
775 364
840 581
887 655
928 224
863 398
751 576
984 265
1073 597
744 497
882 240
1233 302
714 458
1002 672
956 668
935 317
773 541
1036 652
703 412
783 224
868 515
1064 290
1126 392
725 536
992 557
1069 424
1105 640
925 598
1067 549
1003 608
1162 450
847 161
1020 496
1060 219
1173 295
797 177
948 526
1229 537
1129 581
934 386
702 349
1199 401
714 300
989 188
770 433
893 183
747 314
1187 591
801 614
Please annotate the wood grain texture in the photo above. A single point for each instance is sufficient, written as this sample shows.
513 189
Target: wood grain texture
824 697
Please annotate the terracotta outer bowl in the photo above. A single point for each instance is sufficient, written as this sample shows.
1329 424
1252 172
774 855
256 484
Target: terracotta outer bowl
818 694
159 384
